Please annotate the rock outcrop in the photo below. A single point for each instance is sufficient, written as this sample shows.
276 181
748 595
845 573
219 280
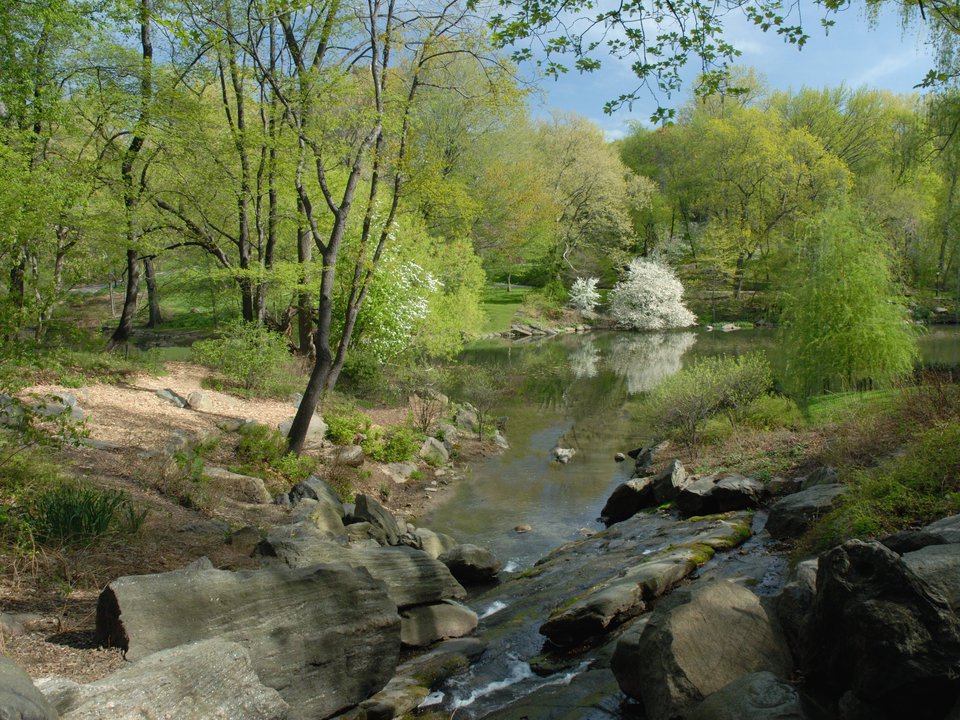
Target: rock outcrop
471 565
709 495
627 500
791 516
19 697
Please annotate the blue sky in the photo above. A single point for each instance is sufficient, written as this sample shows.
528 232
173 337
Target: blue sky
886 56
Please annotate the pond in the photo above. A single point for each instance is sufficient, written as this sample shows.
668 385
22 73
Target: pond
577 391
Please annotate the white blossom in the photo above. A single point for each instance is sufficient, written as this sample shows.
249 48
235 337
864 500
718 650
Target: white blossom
650 297
583 295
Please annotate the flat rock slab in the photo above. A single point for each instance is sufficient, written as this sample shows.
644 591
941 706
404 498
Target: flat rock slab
791 516
314 488
710 495
325 637
412 577
471 564
627 500
757 696
368 509
207 680
241 487
696 642
939 567
19 697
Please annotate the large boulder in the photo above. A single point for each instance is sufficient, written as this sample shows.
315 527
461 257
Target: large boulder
881 631
791 516
434 452
316 430
947 529
757 696
325 637
207 680
349 455
412 577
199 401
696 642
710 495
627 500
433 543
471 564
825 475
939 567
668 484
241 487
795 601
314 488
426 624
369 510
19 698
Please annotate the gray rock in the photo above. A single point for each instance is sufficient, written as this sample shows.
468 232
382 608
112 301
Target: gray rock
668 484
783 486
643 460
757 696
349 455
948 529
240 487
563 455
619 457
171 397
207 680
199 401
245 540
791 516
314 488
434 452
426 624
696 642
400 472
433 543
466 419
374 513
358 532
19 698
881 631
316 431
907 541
11 411
471 564
500 441
324 517
412 577
450 434
939 567
710 495
826 475
627 500
795 601
325 637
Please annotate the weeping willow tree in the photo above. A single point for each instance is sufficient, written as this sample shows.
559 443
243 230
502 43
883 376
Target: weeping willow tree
844 323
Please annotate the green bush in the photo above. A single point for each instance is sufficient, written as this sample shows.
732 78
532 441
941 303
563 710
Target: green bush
398 444
76 513
263 452
771 412
250 357
685 401
344 423
918 487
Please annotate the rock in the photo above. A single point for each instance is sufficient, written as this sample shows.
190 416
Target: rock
792 515
879 630
466 419
358 532
245 540
19 697
199 401
668 484
433 543
948 529
696 642
826 475
643 461
349 455
426 624
400 472
11 411
450 435
500 441
710 495
412 577
938 566
783 486
795 601
907 541
563 455
241 487
729 327
324 517
756 696
434 452
325 637
471 564
522 528
317 489
373 512
207 680
627 500
316 431
619 457
171 397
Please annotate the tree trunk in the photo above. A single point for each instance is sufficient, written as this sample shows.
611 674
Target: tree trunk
945 230
153 297
306 345
125 327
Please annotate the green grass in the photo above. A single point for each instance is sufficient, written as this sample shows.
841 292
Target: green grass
836 407
500 306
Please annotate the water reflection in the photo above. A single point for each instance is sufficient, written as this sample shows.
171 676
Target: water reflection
583 360
645 361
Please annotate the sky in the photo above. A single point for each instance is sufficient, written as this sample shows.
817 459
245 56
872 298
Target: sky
885 56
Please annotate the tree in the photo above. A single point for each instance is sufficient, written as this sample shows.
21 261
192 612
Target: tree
650 297
844 325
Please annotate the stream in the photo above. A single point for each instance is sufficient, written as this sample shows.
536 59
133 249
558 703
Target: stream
581 392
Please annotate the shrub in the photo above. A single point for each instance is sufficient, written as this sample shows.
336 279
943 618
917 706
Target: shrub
583 294
75 513
398 444
251 357
421 387
650 297
264 453
771 412
684 401
344 423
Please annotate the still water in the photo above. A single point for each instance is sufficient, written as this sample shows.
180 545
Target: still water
579 391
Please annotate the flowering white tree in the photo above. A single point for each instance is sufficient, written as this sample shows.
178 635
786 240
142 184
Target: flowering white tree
583 295
650 297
